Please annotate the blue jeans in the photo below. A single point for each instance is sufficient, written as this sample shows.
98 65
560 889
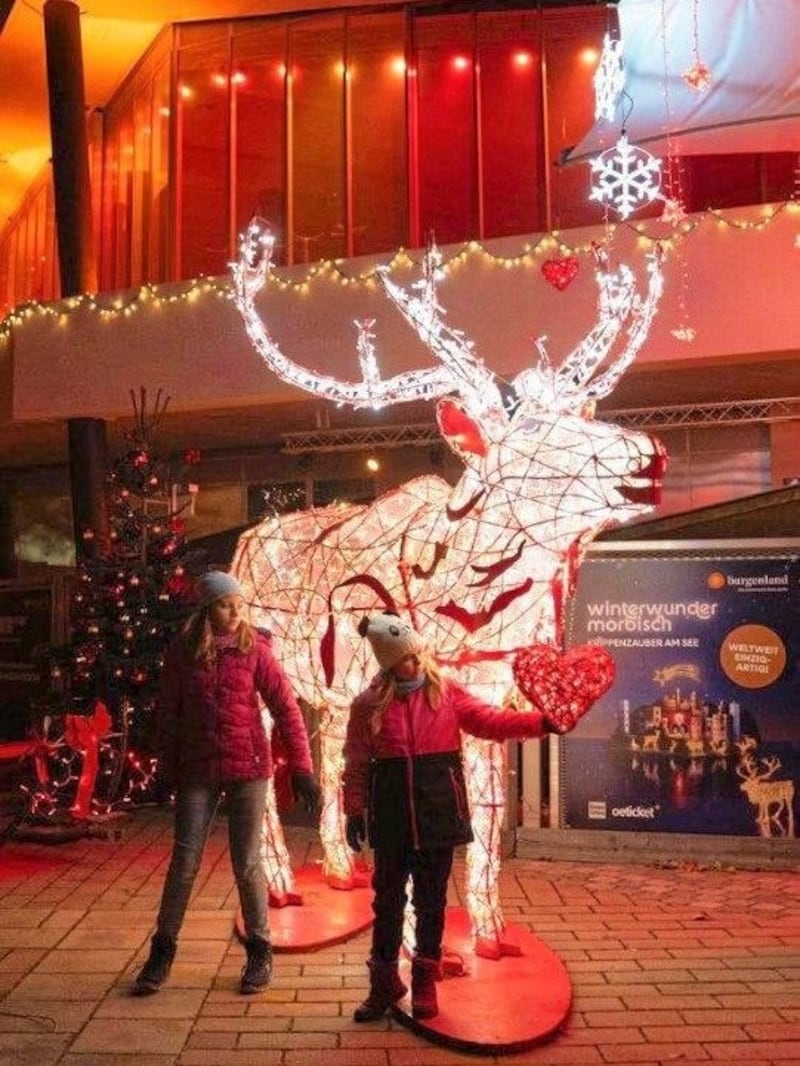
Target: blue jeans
195 807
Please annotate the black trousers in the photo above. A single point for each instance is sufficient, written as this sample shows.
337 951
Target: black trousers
429 869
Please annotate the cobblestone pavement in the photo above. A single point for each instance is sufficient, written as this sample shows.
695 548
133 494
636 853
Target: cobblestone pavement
668 965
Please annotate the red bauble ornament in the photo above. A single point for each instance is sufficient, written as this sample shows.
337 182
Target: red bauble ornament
560 272
563 685
138 458
191 456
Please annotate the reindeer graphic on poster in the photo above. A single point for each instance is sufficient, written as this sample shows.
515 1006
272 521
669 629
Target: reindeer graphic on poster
481 568
773 799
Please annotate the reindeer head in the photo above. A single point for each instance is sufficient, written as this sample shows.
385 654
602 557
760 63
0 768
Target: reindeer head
559 477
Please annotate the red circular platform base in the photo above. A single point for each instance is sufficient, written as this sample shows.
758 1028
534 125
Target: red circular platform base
324 915
500 1005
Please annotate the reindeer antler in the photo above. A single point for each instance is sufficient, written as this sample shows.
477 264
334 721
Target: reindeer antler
566 389
250 273
571 385
455 351
753 773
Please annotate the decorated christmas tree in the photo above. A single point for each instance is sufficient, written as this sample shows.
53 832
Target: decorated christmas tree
93 738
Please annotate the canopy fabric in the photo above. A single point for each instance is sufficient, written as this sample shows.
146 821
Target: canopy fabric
752 49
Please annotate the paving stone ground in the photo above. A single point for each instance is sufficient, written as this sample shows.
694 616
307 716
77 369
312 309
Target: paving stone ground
668 965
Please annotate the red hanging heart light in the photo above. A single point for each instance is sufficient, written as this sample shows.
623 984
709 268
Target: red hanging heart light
560 272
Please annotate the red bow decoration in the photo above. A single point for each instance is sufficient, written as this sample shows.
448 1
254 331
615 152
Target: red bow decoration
84 735
560 272
563 685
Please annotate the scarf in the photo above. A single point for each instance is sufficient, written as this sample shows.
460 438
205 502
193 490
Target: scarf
402 688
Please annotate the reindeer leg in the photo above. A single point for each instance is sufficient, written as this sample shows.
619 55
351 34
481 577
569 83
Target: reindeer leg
484 764
275 856
340 869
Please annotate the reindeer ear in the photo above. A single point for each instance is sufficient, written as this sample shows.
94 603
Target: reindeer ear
461 431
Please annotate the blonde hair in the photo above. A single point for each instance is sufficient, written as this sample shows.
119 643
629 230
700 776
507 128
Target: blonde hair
387 690
198 636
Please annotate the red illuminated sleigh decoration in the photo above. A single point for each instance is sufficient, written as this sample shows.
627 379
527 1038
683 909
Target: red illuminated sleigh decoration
480 568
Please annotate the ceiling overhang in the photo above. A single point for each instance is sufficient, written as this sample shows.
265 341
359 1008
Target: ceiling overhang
752 103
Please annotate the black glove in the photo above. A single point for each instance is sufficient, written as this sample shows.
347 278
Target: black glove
355 831
306 790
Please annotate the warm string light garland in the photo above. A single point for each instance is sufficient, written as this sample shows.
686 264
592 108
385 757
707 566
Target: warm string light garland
650 232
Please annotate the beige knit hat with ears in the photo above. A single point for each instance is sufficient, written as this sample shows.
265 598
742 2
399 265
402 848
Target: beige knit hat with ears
391 638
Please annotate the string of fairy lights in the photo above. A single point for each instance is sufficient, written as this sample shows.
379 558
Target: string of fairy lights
650 233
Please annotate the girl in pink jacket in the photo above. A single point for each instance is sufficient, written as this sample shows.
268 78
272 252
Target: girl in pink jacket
213 740
404 790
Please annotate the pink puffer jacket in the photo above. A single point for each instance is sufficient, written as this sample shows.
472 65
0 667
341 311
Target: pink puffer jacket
410 729
210 720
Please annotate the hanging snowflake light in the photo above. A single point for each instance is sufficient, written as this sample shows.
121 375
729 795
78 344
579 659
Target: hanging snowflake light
699 76
684 333
626 177
609 79
674 212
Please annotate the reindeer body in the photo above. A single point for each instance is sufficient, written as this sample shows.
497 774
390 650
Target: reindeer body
468 564
481 568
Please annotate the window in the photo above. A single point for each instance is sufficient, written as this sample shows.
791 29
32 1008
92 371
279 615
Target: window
203 105
344 490
259 70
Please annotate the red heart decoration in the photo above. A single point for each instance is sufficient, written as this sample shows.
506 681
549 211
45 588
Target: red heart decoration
560 272
563 685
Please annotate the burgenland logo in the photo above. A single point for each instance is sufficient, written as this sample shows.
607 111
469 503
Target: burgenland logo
748 582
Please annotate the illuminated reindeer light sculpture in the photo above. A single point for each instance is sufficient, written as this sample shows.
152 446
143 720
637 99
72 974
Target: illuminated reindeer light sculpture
480 568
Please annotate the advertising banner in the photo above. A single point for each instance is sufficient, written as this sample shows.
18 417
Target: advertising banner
700 731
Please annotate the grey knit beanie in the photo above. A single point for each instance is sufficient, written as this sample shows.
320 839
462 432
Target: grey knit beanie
213 585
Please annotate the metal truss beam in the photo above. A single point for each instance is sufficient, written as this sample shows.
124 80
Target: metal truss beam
725 413
424 434
348 440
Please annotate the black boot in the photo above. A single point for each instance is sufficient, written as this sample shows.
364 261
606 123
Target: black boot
156 970
385 988
258 968
424 974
